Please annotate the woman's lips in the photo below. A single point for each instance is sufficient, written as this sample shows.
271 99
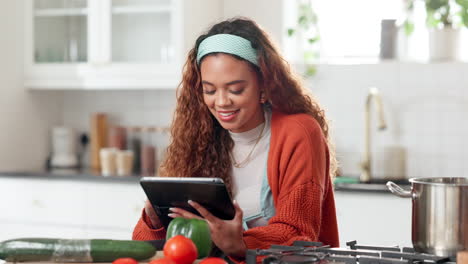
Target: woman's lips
227 115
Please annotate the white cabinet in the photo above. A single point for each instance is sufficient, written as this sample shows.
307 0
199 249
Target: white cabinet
373 218
111 44
113 209
68 208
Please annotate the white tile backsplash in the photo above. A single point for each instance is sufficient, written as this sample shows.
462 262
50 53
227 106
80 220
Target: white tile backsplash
425 105
127 108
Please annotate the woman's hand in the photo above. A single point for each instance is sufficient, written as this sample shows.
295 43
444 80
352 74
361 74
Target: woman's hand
149 210
226 234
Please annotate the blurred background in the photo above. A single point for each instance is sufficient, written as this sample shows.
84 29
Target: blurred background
79 76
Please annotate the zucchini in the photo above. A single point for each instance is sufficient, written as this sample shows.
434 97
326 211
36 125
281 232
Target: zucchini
74 250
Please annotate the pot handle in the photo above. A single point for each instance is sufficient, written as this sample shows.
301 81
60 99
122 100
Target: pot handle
398 191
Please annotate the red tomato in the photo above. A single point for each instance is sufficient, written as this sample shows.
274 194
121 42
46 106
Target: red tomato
213 260
125 261
162 261
181 250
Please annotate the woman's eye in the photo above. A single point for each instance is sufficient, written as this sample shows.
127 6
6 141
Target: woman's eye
208 91
239 91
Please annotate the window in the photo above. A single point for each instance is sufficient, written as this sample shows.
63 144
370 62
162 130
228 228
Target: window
347 29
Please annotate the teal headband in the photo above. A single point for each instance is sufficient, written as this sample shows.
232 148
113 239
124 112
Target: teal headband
227 43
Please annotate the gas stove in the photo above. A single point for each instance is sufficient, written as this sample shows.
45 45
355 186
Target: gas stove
304 252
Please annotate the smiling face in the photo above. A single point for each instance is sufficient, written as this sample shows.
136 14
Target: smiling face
232 93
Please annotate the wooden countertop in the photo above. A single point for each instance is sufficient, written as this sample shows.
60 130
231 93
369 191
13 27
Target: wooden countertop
158 255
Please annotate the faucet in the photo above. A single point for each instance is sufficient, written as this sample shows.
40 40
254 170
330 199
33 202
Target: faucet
373 94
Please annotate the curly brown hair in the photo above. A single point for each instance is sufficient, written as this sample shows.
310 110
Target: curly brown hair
200 146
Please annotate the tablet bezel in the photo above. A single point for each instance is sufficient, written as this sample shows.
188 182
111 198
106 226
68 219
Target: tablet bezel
166 192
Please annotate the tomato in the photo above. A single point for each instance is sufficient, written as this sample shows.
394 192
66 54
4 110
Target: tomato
181 250
213 260
162 261
125 261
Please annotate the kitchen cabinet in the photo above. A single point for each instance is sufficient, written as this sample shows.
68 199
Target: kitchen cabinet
69 208
113 209
111 44
373 218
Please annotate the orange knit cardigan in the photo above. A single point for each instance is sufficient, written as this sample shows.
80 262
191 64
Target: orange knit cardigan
298 174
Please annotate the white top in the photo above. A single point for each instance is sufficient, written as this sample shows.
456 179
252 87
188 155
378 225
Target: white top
247 181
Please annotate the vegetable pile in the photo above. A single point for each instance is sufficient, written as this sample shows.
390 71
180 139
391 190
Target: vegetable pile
186 240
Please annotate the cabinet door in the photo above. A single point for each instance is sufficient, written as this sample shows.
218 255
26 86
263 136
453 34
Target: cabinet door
113 209
373 218
12 230
144 31
38 207
60 31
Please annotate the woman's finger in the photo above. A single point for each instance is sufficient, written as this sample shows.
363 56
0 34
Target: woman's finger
239 213
203 212
149 210
174 215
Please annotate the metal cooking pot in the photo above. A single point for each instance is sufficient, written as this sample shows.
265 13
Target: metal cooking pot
440 214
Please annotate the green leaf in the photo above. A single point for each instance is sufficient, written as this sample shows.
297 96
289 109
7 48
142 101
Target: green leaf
313 40
408 27
307 16
462 3
302 20
291 31
431 20
310 56
464 17
433 5
410 5
311 70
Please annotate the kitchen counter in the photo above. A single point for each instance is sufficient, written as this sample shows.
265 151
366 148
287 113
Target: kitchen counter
158 255
42 204
349 185
74 175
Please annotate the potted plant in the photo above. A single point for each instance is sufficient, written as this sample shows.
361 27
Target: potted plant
443 19
307 36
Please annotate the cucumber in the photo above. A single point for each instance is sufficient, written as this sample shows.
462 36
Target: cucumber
74 250
105 250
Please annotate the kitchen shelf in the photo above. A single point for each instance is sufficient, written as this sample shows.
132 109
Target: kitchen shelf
141 9
58 12
115 76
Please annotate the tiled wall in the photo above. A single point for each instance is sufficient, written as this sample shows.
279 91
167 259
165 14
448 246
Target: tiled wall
124 108
127 108
425 105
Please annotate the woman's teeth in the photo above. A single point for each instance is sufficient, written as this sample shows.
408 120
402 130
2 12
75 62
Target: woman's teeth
227 114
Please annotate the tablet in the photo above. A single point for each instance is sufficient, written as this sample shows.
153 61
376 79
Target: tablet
167 192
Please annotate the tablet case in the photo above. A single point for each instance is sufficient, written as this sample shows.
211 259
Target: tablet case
167 192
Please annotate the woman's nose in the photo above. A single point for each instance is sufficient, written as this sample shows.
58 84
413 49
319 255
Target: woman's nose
222 99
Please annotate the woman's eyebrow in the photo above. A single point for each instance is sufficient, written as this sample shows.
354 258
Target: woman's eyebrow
227 84
208 83
236 82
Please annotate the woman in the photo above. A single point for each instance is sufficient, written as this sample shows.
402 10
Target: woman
244 117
